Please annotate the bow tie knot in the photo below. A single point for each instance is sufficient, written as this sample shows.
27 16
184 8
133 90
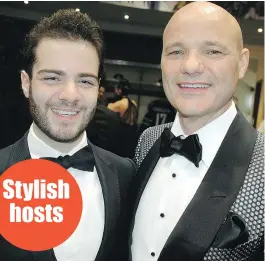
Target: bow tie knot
177 145
189 147
82 160
64 161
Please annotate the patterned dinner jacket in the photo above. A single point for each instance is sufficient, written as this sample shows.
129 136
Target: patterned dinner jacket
224 220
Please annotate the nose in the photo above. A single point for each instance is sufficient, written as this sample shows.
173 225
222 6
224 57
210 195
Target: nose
70 93
192 64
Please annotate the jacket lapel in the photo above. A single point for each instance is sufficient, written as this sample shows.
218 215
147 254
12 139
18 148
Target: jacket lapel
108 177
196 229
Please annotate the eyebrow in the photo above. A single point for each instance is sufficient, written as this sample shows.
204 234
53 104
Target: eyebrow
51 71
62 73
175 44
215 43
88 75
206 43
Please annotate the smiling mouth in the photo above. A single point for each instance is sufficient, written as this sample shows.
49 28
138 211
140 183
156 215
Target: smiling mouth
194 86
64 113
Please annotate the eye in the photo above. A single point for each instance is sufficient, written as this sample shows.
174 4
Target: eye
51 79
88 83
177 52
214 52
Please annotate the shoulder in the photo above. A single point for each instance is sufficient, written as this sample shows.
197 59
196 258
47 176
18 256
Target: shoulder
124 166
124 103
5 154
147 140
7 150
150 135
118 105
14 153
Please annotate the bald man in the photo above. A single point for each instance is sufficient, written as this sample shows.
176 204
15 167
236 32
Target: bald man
199 188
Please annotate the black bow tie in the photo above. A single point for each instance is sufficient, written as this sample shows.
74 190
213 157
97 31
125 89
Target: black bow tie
189 147
82 160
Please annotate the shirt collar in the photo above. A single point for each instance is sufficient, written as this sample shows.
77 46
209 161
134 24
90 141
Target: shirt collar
39 149
211 135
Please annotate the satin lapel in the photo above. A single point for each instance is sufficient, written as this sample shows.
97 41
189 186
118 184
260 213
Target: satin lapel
195 231
141 179
108 177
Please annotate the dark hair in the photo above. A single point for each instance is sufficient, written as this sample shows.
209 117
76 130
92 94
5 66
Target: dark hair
118 76
122 84
64 24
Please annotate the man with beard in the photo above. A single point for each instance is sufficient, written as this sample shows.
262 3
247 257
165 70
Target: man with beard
198 193
61 81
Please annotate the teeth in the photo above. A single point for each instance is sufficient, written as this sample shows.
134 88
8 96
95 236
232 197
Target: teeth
65 113
194 85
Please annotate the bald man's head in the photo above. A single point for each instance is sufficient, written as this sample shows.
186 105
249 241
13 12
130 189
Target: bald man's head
202 59
210 12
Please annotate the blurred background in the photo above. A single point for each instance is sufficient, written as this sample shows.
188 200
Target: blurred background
133 42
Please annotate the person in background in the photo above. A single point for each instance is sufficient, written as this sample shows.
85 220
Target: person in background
127 110
101 91
63 54
199 191
126 107
158 112
103 129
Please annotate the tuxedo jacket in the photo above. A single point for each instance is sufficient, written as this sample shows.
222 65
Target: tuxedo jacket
224 220
115 174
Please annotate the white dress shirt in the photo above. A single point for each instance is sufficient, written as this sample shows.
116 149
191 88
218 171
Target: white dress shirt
171 187
84 243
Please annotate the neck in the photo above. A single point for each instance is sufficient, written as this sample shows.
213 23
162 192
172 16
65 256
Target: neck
192 124
63 147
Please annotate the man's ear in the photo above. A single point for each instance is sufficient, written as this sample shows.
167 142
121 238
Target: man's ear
25 83
243 63
99 81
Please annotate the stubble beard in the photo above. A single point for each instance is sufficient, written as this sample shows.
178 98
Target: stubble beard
41 119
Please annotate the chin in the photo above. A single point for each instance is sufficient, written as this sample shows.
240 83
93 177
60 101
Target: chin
61 134
189 112
66 137
69 135
185 114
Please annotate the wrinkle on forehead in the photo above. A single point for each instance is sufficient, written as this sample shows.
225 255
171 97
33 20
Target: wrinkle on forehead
199 11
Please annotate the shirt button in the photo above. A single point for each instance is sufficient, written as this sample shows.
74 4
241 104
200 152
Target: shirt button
153 254
162 215
174 175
